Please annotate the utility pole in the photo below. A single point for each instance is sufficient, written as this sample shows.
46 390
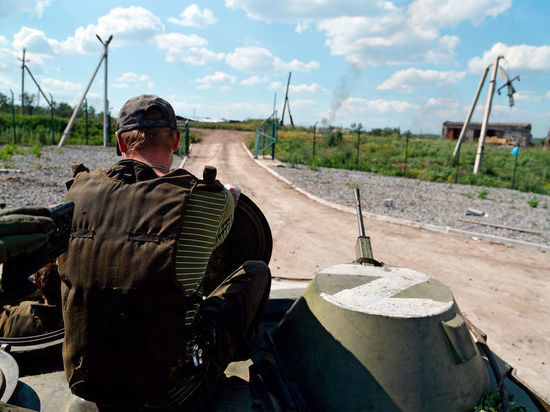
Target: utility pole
472 108
105 100
23 81
77 108
286 103
483 133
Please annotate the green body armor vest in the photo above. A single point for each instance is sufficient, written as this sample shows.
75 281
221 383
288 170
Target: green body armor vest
123 309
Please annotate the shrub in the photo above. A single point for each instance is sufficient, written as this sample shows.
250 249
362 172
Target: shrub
482 194
533 202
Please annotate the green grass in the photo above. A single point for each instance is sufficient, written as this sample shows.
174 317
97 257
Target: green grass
428 159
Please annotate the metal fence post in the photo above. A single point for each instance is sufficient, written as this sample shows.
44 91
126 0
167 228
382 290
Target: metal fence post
457 164
86 119
13 117
314 130
186 137
274 136
358 145
407 134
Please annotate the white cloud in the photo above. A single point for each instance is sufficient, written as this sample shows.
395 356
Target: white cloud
355 105
524 96
11 8
131 25
300 88
35 41
368 33
133 79
412 78
225 88
195 56
388 39
548 94
59 86
256 59
449 13
296 11
7 83
192 16
254 80
179 40
3 42
222 109
208 81
520 57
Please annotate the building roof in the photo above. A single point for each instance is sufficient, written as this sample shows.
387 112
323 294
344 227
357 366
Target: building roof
476 124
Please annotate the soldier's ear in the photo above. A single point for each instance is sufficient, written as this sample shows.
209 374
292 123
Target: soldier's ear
176 144
121 144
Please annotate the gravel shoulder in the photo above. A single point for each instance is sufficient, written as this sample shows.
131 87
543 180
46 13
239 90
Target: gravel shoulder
27 179
440 204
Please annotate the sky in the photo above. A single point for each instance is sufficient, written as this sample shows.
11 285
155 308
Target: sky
408 64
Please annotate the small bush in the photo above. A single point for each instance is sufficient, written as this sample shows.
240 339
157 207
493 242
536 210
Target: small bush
482 194
533 202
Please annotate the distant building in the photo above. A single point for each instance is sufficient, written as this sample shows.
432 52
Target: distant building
497 133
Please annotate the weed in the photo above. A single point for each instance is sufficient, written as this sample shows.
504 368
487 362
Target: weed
60 151
545 205
9 150
482 194
352 185
48 158
36 150
451 186
490 402
468 195
37 165
533 202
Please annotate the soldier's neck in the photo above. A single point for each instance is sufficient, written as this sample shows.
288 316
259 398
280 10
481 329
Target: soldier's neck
160 162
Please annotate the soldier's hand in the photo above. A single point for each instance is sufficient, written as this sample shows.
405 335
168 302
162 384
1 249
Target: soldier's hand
23 230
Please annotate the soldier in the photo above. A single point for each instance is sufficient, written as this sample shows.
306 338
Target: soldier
35 317
138 330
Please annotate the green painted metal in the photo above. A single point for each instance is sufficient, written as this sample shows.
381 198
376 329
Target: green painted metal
183 127
266 136
360 359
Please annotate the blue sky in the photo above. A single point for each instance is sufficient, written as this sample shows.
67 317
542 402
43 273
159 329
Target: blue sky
409 64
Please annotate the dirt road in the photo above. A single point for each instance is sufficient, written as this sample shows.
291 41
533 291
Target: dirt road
504 290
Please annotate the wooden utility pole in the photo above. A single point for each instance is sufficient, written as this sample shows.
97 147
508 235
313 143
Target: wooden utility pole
286 103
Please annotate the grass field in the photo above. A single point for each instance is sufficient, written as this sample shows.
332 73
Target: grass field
426 158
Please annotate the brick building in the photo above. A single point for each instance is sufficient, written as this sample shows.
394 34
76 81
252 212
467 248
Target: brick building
497 133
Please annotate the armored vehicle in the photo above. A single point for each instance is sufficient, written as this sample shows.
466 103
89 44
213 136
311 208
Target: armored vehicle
360 336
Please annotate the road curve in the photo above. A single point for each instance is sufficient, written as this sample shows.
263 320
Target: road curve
502 289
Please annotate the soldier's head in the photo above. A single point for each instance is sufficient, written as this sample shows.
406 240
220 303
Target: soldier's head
146 123
47 280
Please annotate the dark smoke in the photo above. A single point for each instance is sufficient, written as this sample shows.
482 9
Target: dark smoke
342 92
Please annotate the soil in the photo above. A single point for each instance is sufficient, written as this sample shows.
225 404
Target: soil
502 289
